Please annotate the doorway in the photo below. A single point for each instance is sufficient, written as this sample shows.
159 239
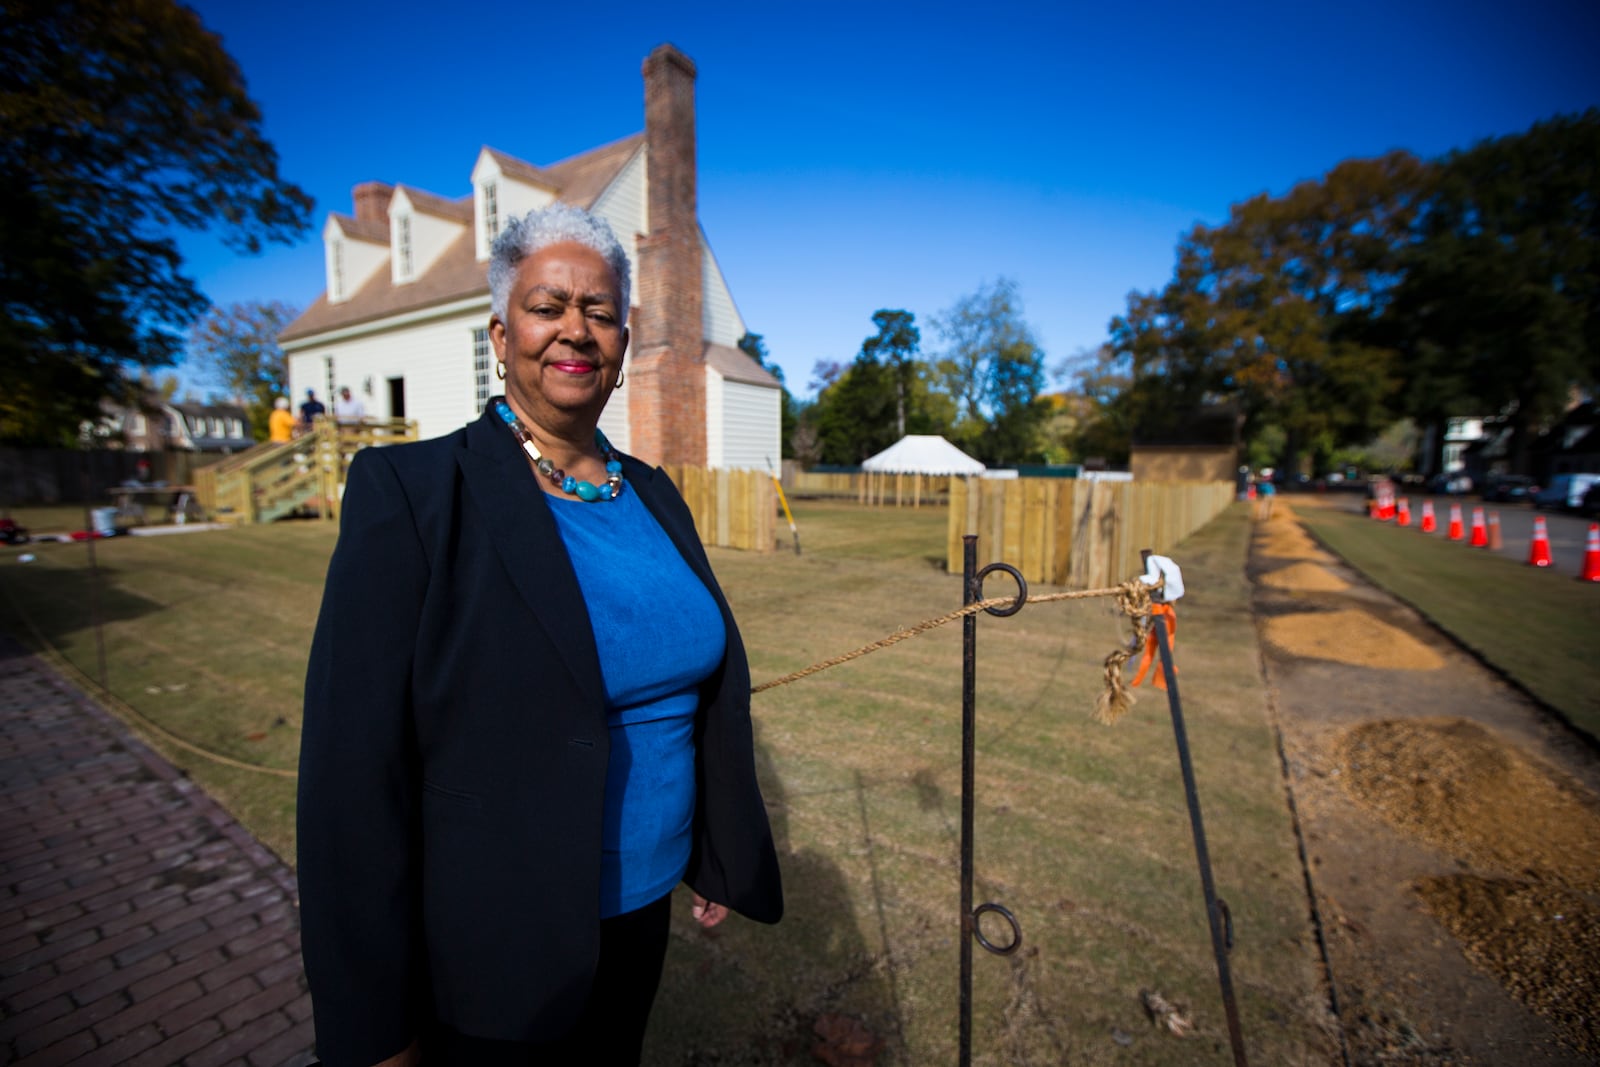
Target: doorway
397 398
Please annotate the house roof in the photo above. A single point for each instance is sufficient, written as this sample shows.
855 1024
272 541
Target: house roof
736 366
519 169
582 178
457 273
199 410
362 229
920 453
433 204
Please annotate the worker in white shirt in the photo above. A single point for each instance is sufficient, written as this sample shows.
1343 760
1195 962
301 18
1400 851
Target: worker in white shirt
347 408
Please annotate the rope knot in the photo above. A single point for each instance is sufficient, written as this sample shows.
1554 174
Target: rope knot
1117 699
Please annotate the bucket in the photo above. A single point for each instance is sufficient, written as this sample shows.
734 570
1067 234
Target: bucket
104 520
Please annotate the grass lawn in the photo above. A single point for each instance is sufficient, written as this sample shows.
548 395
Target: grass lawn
1082 830
1537 626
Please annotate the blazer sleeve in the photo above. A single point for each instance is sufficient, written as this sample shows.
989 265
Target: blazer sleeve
359 863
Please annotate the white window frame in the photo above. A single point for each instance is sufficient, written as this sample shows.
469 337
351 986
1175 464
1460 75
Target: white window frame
403 240
481 359
491 212
338 268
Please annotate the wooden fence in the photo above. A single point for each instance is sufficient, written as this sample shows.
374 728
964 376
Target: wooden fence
732 509
33 476
897 490
1083 534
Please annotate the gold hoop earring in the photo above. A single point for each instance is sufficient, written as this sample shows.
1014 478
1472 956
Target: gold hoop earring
500 369
619 381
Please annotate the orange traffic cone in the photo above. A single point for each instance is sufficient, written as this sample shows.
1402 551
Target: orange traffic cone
1494 531
1457 531
1429 524
1480 532
1402 516
1539 547
1591 556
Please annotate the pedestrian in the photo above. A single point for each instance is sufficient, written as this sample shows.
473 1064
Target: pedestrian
280 424
527 711
1265 491
348 408
311 409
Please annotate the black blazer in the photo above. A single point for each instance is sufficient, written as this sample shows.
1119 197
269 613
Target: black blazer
454 750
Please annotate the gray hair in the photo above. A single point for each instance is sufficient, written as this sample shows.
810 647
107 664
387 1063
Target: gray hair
552 225
282 403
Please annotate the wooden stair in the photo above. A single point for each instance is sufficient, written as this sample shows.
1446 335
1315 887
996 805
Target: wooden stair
275 479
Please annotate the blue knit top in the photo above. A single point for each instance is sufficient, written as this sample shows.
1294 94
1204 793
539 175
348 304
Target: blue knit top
659 633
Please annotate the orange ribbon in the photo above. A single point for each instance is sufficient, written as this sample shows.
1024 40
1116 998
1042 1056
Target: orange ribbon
1160 679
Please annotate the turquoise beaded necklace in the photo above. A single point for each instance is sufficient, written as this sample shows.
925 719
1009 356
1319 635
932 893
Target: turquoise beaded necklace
585 491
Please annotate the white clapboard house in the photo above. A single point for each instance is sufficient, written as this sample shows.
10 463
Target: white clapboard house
404 319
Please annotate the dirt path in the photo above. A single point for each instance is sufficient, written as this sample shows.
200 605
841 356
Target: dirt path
1452 831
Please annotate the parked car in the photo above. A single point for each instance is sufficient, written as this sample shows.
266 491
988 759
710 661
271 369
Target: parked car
1565 491
1454 484
1591 502
1509 488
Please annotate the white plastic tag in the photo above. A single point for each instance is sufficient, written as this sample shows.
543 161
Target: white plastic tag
1160 568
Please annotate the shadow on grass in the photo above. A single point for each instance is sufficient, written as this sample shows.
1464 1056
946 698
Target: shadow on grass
53 603
808 987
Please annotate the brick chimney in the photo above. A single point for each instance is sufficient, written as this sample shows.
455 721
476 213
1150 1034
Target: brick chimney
372 202
666 377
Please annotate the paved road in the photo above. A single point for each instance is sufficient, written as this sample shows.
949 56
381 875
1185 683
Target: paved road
1568 533
139 923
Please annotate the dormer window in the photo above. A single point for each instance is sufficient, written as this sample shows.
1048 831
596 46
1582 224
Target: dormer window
403 240
338 270
491 212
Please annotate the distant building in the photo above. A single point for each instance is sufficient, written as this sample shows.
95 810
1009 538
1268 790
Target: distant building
404 318
1570 446
1204 447
165 426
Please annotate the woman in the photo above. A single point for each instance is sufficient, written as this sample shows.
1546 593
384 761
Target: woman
527 711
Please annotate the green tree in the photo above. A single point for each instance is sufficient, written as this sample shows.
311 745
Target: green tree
1274 309
1499 307
752 345
854 412
236 348
120 120
993 371
895 345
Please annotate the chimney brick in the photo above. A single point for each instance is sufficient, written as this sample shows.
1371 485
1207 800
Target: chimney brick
667 401
372 202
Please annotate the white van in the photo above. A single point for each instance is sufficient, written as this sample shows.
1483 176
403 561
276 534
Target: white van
1565 491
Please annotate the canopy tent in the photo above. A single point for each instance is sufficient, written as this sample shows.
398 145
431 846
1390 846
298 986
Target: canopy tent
917 453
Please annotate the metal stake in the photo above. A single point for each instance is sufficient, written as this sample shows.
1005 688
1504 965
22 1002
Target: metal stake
972 591
1216 909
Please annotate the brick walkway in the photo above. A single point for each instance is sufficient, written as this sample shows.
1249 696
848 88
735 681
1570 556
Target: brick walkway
139 924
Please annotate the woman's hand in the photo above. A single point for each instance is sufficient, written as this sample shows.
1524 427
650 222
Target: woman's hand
707 913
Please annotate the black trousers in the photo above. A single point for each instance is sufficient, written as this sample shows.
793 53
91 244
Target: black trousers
611 1029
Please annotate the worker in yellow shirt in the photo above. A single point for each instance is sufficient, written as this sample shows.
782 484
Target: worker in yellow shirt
280 424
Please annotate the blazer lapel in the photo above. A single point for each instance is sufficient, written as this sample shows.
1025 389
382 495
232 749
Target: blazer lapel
525 537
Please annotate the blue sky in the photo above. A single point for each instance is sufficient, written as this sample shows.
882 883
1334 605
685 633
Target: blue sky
857 156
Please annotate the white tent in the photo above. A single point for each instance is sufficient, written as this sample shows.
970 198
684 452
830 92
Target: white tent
917 453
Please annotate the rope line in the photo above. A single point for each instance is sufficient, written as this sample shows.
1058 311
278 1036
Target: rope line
121 709
1133 597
